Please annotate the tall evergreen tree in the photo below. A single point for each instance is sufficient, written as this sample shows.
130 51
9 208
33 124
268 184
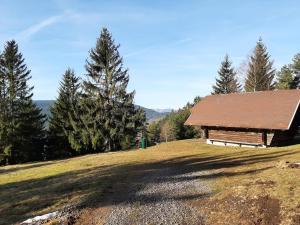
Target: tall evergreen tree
108 110
260 72
22 123
284 78
227 81
153 132
296 71
3 113
63 139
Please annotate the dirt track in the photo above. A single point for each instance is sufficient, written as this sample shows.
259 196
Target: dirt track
161 196
164 200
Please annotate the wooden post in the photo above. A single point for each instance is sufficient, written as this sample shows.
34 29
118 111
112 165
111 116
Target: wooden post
204 132
264 137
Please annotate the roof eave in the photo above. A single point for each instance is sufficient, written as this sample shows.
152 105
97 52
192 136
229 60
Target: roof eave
237 127
294 114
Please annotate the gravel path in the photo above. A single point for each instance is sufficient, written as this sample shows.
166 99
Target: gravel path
162 198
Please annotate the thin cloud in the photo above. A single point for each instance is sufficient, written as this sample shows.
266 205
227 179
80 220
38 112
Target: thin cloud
138 52
182 41
143 50
33 29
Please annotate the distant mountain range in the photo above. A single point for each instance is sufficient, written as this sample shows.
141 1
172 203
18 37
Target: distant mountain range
163 110
151 114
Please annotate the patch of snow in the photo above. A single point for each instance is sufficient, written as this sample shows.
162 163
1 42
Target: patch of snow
40 218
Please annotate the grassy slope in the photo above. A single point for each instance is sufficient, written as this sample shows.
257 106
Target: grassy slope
32 189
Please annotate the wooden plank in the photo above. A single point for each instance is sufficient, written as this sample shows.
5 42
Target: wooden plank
237 136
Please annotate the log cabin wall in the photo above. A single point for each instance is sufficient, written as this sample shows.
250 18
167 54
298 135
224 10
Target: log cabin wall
237 136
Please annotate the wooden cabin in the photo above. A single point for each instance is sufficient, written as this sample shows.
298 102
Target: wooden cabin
260 119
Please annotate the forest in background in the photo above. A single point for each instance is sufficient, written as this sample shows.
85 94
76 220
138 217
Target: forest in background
258 74
93 114
97 113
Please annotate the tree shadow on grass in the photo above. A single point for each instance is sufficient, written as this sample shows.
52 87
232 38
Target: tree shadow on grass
110 185
24 167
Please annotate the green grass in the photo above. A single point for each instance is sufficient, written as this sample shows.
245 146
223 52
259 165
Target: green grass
32 189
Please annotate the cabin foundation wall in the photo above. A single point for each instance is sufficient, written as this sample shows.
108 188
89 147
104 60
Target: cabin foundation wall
232 144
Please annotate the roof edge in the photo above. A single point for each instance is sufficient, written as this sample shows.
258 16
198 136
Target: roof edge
294 114
236 127
186 122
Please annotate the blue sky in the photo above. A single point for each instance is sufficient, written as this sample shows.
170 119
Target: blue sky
173 49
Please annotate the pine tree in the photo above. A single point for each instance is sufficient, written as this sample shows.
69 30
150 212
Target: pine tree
284 78
3 113
260 72
296 63
108 110
296 71
135 123
227 81
63 140
22 123
196 100
153 132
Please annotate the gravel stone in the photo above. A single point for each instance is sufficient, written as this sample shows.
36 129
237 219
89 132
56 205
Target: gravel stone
163 198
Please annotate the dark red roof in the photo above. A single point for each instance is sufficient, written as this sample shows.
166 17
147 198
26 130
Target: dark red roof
260 110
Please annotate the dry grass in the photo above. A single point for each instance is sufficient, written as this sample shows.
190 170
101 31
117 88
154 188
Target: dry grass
243 174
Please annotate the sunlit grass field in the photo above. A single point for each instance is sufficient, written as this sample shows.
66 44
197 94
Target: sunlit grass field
32 189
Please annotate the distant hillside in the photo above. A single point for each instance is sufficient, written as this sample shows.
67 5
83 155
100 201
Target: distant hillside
150 113
44 105
163 110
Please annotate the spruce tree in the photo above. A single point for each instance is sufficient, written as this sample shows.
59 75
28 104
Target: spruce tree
108 112
260 72
63 139
296 71
153 132
284 78
227 81
3 113
22 123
